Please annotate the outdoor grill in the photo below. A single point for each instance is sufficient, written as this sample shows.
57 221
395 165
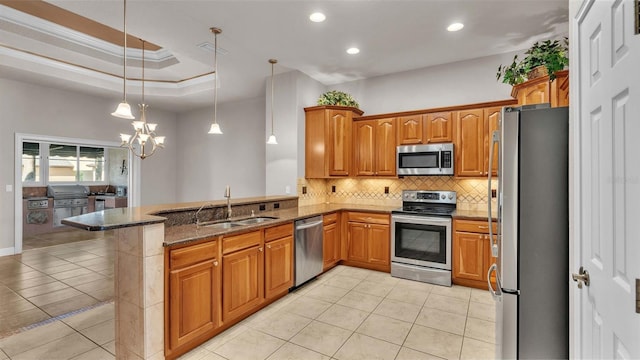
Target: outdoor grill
68 200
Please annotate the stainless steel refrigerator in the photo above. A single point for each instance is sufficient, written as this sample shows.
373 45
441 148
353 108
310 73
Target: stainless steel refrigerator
532 243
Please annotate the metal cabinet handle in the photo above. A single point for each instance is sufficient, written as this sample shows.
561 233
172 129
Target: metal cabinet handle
269 246
215 262
260 249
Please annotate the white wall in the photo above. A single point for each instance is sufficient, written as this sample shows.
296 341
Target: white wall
285 162
207 163
464 82
33 109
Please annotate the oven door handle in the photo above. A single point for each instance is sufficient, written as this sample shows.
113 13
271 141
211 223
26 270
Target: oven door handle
420 220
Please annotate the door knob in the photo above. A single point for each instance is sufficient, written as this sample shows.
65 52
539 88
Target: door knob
582 277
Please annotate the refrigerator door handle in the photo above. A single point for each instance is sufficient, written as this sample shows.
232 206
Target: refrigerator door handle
495 138
497 292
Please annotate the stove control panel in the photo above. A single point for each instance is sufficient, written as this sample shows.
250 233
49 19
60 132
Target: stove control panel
427 196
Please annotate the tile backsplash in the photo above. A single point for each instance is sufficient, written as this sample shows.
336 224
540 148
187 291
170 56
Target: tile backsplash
471 193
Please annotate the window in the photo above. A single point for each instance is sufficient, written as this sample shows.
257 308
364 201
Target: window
48 162
31 163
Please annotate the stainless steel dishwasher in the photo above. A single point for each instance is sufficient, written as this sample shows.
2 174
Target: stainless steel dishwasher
308 239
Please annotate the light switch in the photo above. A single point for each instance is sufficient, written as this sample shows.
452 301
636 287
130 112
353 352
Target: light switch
9 188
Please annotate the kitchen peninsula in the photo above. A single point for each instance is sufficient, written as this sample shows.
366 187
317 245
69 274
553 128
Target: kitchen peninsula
145 238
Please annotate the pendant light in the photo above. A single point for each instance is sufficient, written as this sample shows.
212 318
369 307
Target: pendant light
124 110
144 132
215 128
272 138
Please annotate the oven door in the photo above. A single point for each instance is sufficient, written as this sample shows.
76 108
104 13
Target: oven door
421 240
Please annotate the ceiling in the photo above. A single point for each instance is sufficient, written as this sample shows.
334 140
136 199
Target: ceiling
393 36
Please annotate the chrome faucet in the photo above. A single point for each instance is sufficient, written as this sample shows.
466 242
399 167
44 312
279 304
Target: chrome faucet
227 194
198 212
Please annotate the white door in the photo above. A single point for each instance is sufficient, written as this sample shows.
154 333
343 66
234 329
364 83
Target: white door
606 179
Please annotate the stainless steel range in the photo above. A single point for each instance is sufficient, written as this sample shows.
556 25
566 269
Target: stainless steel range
421 236
68 200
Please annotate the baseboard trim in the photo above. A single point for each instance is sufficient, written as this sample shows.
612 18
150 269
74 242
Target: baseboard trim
7 251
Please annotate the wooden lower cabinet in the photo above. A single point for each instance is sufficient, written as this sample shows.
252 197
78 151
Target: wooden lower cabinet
331 241
368 241
471 253
242 282
278 267
193 288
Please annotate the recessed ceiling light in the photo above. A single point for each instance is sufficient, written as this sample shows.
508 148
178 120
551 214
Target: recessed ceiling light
455 27
353 51
317 17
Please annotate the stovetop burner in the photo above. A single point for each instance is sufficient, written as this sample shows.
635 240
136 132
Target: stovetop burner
421 202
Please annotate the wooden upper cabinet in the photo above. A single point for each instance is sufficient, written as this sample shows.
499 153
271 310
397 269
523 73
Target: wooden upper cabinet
470 145
540 90
328 140
364 147
492 117
339 144
386 147
410 130
439 127
374 147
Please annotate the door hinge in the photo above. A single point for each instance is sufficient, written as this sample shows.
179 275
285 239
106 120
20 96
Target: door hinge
637 296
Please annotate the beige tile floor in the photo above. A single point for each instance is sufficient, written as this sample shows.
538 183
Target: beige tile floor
46 282
348 313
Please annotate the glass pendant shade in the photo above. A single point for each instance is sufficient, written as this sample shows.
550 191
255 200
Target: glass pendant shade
123 111
272 140
215 129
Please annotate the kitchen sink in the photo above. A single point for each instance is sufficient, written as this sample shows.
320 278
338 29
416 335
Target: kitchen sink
254 220
228 224
220 225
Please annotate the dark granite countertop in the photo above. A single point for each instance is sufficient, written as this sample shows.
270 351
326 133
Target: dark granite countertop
474 215
178 235
112 219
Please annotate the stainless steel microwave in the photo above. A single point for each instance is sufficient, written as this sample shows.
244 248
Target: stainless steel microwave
432 159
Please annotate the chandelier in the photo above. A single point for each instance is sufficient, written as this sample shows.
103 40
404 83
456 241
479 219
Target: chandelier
144 132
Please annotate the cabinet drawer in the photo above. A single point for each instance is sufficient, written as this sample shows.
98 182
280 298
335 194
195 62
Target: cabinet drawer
193 254
474 226
330 218
242 241
370 218
278 232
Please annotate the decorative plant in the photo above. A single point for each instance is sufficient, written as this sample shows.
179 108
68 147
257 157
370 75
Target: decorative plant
551 54
335 97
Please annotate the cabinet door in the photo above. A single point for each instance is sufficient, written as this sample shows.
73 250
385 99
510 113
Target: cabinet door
364 147
278 268
339 142
492 116
410 130
468 256
470 145
439 127
331 245
357 242
534 94
243 282
379 244
193 303
385 148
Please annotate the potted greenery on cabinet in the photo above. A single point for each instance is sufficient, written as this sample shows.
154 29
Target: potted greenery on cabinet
553 55
540 76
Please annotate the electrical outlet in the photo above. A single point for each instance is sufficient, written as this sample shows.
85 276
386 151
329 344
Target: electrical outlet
304 190
287 189
494 193
276 205
386 189
263 207
333 188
